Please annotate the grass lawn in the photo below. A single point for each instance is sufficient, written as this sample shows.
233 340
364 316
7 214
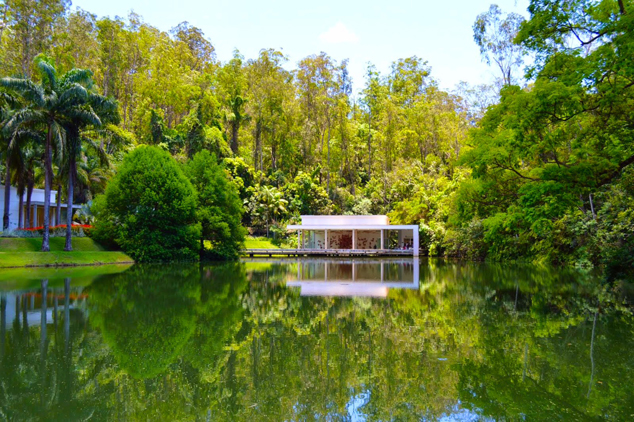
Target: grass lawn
34 244
25 252
52 259
259 243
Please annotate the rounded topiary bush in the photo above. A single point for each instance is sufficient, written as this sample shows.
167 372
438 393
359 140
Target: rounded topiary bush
149 209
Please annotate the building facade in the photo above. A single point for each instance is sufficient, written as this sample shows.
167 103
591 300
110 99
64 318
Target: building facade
355 233
37 209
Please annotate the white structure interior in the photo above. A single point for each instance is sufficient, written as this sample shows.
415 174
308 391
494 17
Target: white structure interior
355 232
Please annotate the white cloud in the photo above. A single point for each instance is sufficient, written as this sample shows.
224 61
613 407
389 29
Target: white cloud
339 34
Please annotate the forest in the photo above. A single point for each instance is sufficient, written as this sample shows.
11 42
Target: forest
536 166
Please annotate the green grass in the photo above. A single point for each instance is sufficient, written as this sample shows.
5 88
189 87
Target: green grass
259 243
33 244
53 259
25 252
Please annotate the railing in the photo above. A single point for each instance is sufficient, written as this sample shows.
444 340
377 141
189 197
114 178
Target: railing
328 252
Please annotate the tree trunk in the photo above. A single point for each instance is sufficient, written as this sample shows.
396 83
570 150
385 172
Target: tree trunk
594 215
48 176
20 203
69 207
58 208
328 159
370 145
28 223
258 140
235 126
7 196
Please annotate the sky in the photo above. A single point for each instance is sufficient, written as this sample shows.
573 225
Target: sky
363 31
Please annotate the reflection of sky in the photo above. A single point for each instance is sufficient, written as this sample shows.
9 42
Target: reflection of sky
355 406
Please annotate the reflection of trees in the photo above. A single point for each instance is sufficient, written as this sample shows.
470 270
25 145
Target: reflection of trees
40 379
216 342
146 315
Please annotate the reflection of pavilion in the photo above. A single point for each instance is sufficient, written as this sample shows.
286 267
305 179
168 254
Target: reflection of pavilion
355 277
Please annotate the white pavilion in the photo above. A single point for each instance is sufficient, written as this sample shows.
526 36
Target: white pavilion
355 233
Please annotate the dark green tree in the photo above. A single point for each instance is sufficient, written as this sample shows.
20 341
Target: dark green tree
149 209
219 207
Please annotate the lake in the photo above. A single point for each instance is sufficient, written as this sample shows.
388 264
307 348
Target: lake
315 339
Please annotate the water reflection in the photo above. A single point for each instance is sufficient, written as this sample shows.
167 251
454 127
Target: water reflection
355 277
243 341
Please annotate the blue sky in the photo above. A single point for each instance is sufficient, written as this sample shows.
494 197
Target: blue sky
362 31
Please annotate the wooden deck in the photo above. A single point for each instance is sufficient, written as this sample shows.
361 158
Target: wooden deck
327 252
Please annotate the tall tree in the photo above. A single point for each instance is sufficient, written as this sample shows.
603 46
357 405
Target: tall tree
31 26
495 32
50 105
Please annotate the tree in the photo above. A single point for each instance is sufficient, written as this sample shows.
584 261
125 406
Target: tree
30 27
92 111
541 155
7 105
495 35
267 203
48 106
233 87
219 209
149 209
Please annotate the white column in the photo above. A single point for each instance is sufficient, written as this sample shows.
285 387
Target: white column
382 240
354 239
34 216
299 239
326 240
415 240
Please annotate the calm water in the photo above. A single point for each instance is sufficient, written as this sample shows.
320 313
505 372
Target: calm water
331 340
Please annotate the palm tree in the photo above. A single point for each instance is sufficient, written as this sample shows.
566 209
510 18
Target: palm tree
95 109
52 105
273 204
7 105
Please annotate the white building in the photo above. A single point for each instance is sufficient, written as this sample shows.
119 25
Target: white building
37 209
355 233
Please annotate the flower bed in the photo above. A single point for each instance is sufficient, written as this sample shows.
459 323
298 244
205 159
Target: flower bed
78 230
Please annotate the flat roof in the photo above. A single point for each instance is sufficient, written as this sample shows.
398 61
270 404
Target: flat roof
353 226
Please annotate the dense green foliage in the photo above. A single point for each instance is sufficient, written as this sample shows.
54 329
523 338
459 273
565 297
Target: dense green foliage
219 208
533 168
149 209
551 163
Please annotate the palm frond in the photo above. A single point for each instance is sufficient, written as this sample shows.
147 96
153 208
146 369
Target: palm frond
23 117
73 95
101 153
59 138
84 116
78 76
49 75
26 89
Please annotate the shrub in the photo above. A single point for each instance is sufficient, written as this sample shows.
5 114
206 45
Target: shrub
219 207
149 209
